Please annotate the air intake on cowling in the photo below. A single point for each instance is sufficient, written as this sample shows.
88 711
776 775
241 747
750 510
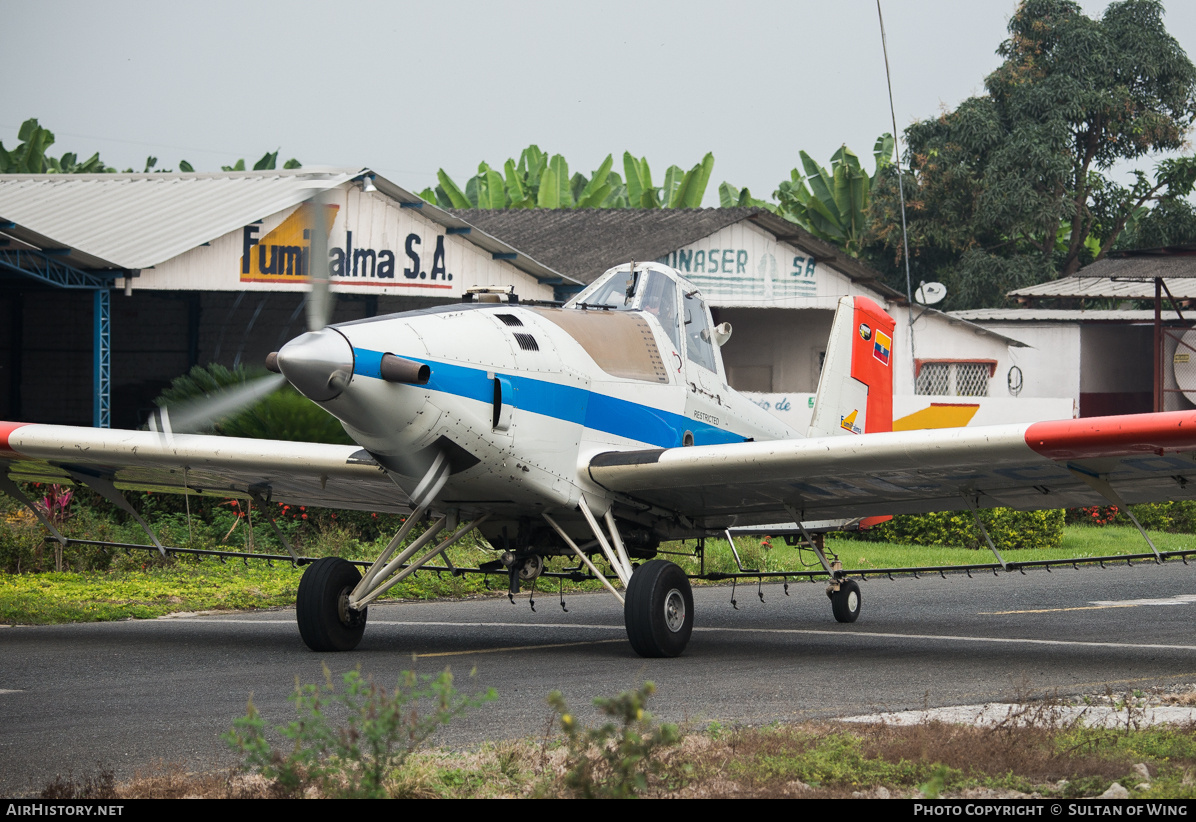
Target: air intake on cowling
527 342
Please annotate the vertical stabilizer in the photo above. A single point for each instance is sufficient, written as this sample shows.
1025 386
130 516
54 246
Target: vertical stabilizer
855 391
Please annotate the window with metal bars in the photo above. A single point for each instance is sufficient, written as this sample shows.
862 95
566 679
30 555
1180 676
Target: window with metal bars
954 379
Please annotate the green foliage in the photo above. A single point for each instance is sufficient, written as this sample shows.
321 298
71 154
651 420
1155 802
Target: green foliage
283 414
541 181
833 205
1171 222
268 162
29 157
380 731
1009 529
993 181
613 761
731 197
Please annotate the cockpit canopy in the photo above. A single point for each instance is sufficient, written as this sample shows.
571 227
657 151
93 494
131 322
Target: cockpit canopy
660 291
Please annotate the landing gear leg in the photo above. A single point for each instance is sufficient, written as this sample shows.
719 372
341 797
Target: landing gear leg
326 621
844 593
659 609
845 602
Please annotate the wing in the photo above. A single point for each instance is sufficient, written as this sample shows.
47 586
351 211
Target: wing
1064 464
335 476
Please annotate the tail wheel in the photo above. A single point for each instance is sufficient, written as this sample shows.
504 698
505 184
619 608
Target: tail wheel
326 622
845 603
659 609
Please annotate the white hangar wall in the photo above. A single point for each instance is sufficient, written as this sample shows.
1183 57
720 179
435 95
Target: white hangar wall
376 247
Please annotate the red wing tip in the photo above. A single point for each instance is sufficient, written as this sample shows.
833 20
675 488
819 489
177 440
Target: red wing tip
6 429
1120 436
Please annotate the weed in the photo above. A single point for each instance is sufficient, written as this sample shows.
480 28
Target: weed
932 787
381 731
614 760
101 785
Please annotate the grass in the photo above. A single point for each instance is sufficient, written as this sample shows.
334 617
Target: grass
140 585
1078 541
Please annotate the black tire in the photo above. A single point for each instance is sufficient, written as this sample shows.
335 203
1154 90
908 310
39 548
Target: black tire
658 609
846 602
325 621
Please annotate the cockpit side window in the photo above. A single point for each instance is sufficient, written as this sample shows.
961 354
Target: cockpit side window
698 345
660 300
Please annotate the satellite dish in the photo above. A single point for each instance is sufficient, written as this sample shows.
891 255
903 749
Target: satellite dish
930 293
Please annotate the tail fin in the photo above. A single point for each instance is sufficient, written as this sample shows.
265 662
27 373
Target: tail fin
855 391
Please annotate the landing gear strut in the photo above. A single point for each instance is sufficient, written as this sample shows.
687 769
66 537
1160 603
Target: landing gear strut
326 622
659 609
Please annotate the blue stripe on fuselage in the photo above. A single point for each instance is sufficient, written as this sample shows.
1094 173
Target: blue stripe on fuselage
599 412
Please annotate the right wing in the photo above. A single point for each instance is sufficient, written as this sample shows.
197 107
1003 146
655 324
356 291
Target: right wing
296 473
1063 464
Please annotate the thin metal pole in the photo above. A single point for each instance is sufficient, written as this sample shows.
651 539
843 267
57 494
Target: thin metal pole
1158 344
909 291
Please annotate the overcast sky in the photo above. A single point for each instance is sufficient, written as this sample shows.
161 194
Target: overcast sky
406 88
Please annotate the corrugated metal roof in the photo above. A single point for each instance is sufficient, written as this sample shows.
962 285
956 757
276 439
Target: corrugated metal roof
136 221
981 315
1176 261
975 328
1181 289
583 243
16 237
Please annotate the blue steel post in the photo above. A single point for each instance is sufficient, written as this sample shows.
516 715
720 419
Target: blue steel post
101 351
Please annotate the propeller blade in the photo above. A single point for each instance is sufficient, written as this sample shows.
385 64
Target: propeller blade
203 413
319 299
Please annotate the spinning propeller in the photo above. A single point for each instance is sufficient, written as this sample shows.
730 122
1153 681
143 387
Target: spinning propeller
202 413
318 363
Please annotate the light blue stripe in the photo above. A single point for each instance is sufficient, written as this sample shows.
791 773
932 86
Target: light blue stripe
598 412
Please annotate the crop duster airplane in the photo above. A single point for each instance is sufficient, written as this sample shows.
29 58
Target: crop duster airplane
600 428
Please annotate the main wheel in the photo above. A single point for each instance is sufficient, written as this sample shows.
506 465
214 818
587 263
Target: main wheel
845 603
658 609
326 622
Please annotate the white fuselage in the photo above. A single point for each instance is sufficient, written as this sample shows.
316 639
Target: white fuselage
520 398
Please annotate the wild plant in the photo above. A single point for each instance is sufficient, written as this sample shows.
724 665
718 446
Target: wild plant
380 730
614 760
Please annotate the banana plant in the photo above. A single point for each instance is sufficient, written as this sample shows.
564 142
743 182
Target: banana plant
833 205
685 189
731 197
540 181
29 157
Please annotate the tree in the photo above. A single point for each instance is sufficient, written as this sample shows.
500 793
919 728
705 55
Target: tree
1172 222
1010 188
540 181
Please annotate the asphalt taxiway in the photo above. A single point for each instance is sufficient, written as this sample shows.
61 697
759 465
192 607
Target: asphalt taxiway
128 694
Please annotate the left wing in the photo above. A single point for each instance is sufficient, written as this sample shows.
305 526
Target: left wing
1064 464
298 473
